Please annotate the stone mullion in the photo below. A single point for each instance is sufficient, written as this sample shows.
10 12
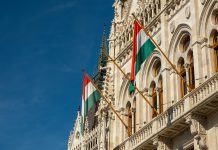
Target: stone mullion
187 66
158 99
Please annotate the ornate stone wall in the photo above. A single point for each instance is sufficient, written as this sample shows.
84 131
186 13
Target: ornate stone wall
185 30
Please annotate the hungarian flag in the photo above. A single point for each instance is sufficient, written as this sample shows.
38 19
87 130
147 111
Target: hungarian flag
142 48
90 96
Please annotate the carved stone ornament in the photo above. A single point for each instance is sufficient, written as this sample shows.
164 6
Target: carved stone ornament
172 26
162 143
141 3
202 142
197 123
203 2
187 12
193 125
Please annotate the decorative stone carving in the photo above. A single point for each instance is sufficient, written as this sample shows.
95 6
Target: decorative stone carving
155 141
187 12
141 3
172 26
162 143
193 125
202 142
133 110
197 128
203 2
86 125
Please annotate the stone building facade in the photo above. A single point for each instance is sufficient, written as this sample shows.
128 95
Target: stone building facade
187 32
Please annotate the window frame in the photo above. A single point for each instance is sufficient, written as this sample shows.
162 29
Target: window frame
191 72
154 101
182 81
215 59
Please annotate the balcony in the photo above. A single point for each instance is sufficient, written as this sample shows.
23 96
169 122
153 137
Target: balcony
203 100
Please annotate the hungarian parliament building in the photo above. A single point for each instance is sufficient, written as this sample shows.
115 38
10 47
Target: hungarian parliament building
171 110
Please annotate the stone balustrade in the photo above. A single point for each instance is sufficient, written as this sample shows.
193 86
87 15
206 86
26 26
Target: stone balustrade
173 113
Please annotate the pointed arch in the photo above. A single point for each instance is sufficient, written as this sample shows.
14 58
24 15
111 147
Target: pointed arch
205 16
181 30
147 68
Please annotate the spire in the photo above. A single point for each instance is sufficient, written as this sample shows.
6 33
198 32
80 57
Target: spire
102 61
104 40
103 47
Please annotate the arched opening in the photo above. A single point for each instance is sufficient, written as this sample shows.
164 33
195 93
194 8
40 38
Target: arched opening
214 17
191 71
129 118
77 135
183 80
214 39
156 68
184 43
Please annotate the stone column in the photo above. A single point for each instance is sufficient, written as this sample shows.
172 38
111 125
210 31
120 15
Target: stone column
133 120
197 125
187 66
158 99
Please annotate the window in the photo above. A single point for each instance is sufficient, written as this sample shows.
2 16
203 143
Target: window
191 73
214 17
184 44
157 97
134 115
161 96
154 101
77 135
129 118
156 68
183 80
215 50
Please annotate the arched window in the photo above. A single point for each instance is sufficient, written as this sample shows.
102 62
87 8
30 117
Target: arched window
215 49
134 115
183 79
129 118
214 17
191 72
184 43
156 68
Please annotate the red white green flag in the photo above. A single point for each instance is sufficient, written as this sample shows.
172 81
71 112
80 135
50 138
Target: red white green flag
142 48
90 96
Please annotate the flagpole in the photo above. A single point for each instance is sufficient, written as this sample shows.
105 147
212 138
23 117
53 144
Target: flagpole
105 99
126 76
159 48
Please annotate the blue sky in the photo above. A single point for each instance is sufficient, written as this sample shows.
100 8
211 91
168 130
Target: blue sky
44 44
